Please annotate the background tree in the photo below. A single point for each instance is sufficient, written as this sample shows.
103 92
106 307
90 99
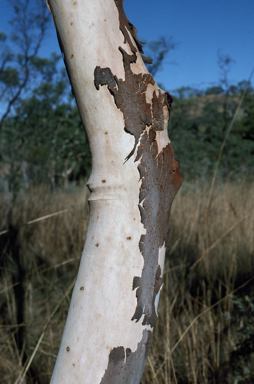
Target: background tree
36 108
17 67
157 52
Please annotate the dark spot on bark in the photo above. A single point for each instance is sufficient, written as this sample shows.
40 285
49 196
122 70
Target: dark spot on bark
68 349
103 181
97 245
125 366
159 172
117 354
82 288
71 57
129 238
103 77
106 133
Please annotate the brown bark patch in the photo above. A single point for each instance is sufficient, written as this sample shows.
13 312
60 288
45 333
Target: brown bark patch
129 96
159 171
125 27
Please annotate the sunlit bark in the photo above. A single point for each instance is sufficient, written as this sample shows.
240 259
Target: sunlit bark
133 182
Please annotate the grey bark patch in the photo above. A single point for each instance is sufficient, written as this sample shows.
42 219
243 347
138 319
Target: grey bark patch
103 77
125 366
160 182
159 171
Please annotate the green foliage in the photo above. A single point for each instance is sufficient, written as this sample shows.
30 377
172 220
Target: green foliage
9 77
47 138
197 128
41 135
241 358
199 124
244 127
215 90
245 313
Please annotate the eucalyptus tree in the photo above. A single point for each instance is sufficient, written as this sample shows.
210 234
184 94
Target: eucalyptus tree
133 181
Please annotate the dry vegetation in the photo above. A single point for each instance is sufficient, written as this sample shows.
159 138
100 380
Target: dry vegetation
205 330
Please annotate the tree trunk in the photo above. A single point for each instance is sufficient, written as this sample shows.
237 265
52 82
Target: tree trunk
133 182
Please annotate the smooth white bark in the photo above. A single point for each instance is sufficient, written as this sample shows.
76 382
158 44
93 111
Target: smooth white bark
103 301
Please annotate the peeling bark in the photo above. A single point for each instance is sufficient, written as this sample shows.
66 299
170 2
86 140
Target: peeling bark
159 172
125 366
133 182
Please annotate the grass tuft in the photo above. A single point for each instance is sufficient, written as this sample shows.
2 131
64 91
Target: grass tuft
205 331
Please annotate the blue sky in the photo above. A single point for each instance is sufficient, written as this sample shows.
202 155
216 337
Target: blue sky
200 27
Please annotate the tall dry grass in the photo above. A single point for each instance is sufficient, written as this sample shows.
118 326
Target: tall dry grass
204 331
48 252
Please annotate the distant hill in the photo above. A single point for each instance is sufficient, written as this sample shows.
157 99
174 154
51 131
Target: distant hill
198 126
